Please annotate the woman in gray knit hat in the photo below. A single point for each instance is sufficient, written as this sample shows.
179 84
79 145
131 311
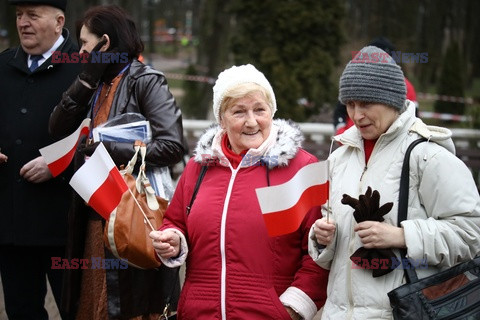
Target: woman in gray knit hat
359 241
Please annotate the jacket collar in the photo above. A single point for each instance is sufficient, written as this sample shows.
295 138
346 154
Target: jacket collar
352 136
278 149
19 60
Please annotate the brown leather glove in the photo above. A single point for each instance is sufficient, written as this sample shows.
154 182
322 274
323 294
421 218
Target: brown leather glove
367 207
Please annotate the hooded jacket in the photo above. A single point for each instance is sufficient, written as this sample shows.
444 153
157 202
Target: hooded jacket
234 269
443 222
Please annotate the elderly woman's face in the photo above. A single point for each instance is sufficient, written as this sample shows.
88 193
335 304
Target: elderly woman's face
371 119
248 121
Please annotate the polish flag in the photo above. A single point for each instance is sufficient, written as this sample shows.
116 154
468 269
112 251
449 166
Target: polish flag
284 206
58 155
99 182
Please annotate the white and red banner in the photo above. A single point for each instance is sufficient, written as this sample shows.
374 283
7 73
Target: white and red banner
284 206
58 155
99 182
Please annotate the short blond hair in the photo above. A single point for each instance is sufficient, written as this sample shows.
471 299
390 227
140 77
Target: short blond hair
243 90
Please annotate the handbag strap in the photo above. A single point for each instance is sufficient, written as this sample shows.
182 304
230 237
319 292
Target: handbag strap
166 310
197 186
143 183
409 270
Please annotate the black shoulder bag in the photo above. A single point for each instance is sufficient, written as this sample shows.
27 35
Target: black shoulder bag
450 294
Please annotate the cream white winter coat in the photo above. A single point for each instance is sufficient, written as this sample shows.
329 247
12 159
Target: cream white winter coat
443 223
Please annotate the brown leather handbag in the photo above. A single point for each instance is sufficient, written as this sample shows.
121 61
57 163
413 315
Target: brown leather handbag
140 211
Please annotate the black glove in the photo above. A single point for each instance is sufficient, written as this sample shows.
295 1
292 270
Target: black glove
88 149
367 208
93 71
120 152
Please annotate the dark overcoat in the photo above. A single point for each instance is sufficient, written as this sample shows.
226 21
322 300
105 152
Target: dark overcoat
31 214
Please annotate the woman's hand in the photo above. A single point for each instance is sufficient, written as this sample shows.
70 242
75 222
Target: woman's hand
380 235
166 243
92 72
324 231
293 314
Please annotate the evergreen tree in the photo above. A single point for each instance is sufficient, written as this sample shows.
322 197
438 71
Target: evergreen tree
296 45
451 81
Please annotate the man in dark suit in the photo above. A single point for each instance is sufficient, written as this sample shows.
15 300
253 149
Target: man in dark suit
33 214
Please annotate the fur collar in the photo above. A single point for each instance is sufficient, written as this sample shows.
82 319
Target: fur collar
287 142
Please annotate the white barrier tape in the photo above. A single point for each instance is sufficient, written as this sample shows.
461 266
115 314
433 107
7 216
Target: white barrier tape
187 77
420 95
423 96
434 97
443 116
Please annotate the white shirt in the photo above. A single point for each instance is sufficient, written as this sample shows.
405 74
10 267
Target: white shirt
48 53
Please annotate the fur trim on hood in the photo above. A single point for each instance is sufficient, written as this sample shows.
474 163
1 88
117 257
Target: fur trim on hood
288 140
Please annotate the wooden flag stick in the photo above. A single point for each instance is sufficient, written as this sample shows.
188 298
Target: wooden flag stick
143 212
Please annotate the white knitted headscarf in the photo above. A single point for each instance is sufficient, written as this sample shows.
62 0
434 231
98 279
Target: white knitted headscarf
234 76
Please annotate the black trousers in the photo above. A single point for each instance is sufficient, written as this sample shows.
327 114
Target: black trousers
24 270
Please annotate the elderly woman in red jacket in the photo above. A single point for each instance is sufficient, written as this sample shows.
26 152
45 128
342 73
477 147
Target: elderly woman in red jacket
234 269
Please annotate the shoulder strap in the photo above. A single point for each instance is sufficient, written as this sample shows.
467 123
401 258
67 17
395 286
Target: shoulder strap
409 270
197 186
166 310
405 181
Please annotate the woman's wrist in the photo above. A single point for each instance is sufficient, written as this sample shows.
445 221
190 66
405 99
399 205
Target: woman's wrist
294 315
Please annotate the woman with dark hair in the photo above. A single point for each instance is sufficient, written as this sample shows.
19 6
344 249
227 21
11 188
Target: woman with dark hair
113 84
114 23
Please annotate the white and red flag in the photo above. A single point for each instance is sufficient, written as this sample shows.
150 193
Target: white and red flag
284 206
58 155
99 182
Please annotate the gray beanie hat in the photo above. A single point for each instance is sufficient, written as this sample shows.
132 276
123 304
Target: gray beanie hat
373 76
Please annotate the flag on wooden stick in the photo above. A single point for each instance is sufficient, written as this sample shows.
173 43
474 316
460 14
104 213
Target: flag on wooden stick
58 155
